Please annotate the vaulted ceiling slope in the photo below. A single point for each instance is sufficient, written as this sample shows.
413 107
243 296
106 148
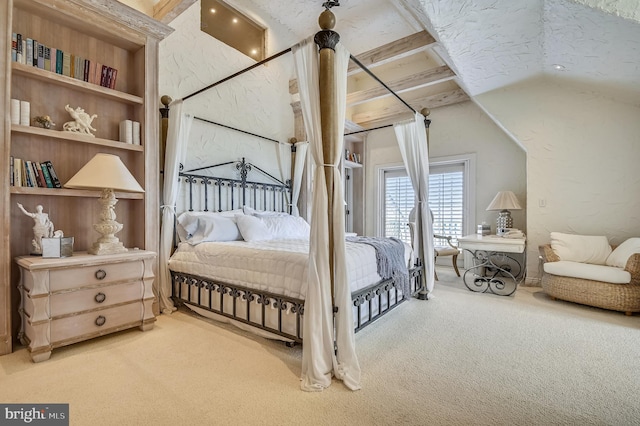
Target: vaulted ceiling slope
474 46
494 43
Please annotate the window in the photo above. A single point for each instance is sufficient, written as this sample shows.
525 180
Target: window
399 199
446 199
451 197
231 27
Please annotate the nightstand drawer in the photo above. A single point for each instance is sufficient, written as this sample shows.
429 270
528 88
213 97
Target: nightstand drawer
64 279
97 297
94 323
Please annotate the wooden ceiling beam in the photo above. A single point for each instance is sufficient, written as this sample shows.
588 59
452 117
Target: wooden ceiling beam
393 51
412 82
167 10
381 55
392 113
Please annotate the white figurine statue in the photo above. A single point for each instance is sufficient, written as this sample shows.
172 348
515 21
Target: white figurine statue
43 227
82 123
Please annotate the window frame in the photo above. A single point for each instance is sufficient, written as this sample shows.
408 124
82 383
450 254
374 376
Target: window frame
469 163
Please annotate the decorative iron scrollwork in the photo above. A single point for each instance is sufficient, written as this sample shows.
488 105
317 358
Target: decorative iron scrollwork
263 300
248 296
280 304
297 308
331 3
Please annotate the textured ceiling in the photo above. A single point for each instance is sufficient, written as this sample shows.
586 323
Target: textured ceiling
489 43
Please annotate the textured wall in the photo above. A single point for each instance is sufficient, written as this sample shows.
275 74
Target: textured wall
583 152
455 130
257 101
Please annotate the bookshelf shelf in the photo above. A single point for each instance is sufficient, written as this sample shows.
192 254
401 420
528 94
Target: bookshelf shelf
103 32
75 137
63 80
61 192
352 164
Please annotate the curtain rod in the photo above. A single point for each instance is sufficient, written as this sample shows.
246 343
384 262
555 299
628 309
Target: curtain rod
257 64
237 130
427 123
365 69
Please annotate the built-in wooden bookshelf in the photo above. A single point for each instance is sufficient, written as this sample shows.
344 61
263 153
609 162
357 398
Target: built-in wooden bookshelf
108 33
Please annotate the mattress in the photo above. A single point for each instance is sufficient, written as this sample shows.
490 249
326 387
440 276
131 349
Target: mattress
277 266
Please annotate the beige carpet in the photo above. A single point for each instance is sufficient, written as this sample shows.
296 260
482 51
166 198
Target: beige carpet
461 358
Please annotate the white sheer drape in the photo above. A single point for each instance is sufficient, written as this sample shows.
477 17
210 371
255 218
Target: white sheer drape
178 134
412 141
298 170
319 362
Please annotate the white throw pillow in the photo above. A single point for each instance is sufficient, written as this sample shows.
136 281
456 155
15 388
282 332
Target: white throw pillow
581 248
253 228
621 254
287 227
262 213
197 227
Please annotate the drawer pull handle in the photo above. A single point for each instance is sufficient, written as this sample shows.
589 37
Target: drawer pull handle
100 297
101 274
100 321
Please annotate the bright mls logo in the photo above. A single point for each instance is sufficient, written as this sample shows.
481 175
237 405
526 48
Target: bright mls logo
37 414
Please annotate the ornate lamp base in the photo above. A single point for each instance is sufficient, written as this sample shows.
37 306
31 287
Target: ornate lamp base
504 222
107 248
107 227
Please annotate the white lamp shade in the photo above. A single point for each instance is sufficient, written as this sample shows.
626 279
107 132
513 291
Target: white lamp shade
104 171
504 200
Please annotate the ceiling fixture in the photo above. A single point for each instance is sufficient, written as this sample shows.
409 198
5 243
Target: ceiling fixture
558 67
235 20
213 10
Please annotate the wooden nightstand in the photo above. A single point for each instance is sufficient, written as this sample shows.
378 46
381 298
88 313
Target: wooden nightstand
68 300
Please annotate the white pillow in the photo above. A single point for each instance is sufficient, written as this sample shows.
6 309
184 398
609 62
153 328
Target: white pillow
262 213
287 227
197 227
253 228
621 254
581 248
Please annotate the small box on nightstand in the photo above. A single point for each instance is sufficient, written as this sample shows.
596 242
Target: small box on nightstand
484 229
57 247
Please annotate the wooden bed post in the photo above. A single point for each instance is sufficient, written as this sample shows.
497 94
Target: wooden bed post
327 41
164 125
292 142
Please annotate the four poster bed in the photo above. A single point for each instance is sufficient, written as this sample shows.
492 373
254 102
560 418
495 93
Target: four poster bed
304 281
260 281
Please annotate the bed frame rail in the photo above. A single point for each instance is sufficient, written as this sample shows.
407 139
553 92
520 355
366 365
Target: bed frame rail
239 303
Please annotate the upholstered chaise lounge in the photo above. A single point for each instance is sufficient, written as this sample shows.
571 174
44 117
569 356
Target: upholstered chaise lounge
577 272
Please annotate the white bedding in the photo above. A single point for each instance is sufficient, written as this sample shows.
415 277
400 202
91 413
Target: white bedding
277 266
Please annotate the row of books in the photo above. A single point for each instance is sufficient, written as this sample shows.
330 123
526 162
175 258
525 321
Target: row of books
30 52
352 156
33 174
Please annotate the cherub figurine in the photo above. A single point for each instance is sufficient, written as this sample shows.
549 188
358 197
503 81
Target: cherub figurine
82 123
43 227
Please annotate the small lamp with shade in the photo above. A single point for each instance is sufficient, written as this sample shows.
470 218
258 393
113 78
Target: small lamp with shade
504 201
109 174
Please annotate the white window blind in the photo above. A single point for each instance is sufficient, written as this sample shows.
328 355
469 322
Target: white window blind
399 200
446 199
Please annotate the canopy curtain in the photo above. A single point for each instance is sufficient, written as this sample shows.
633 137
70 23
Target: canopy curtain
319 360
179 128
298 170
412 141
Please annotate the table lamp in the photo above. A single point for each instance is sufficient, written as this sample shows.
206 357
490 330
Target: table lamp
504 201
108 173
